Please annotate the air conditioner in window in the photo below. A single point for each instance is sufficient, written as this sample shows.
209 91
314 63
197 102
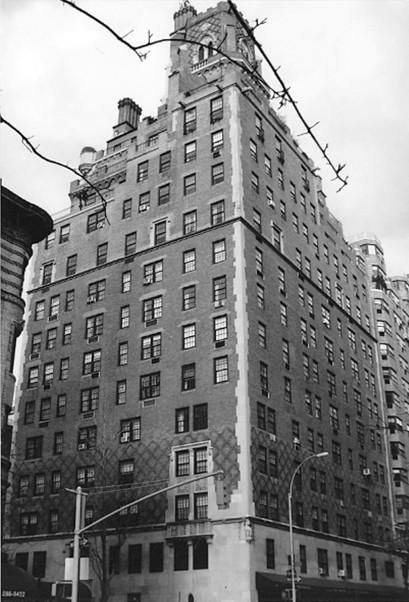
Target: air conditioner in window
100 225
82 446
219 344
33 356
216 154
321 571
271 204
93 339
91 299
143 208
342 503
52 318
341 573
125 437
47 386
148 280
95 375
296 441
273 437
88 415
366 472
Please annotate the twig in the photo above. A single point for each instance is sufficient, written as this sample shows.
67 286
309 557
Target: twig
34 149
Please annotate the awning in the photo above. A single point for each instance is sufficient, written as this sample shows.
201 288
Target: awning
270 588
17 584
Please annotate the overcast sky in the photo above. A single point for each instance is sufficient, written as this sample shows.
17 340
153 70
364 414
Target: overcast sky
345 60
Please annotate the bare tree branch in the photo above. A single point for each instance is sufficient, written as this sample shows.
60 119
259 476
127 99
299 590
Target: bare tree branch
34 149
287 97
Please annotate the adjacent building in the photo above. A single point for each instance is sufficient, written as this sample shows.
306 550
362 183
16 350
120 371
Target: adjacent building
22 225
198 309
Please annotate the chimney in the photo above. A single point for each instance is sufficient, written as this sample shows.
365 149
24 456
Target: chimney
128 116
185 14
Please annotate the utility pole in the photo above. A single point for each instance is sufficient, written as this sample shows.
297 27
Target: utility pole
80 528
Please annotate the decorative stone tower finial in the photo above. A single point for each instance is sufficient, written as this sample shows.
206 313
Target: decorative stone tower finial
184 14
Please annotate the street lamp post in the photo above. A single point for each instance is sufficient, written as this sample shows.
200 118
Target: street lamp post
290 514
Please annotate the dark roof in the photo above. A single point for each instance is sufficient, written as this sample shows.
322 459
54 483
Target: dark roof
20 213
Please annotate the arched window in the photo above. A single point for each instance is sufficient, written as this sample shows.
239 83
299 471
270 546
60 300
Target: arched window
206 50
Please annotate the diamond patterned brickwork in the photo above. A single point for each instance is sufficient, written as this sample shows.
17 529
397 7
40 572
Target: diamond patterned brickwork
287 460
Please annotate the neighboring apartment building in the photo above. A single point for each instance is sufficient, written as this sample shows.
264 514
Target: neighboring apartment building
22 225
391 308
207 315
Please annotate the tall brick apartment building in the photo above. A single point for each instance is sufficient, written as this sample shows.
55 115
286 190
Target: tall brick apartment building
207 315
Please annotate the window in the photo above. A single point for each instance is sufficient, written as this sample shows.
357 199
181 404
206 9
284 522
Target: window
189 261
95 221
285 348
217 142
55 481
189 297
164 162
160 233
267 165
130 243
48 374
259 262
130 430
50 240
189 120
51 340
39 311
61 405
124 317
28 523
260 296
188 377
126 282
189 222
180 555
135 558
255 185
287 390
190 151
188 336
182 420
39 564
94 326
142 171
144 202
219 251
149 386
253 150
120 392
29 412
281 281
89 399
221 370
389 569
216 109
220 328
71 266
87 437
127 209
86 476
374 569
200 505
153 272
91 362
67 334
189 184
164 194
262 335
152 309
257 220
362 568
34 447
322 556
200 416
151 346
47 273
182 507
217 213
217 173
54 307
264 376
45 409
39 484
96 291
